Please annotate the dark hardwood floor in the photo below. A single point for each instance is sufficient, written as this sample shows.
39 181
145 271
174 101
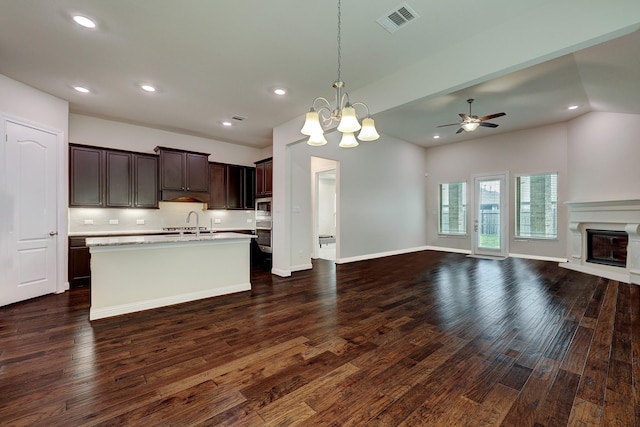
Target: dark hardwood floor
429 338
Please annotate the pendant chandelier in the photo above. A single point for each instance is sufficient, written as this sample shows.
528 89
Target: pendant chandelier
321 116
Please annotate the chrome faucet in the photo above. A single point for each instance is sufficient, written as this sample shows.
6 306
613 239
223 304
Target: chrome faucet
197 222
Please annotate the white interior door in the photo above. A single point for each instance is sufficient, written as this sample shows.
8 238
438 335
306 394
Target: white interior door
490 221
30 165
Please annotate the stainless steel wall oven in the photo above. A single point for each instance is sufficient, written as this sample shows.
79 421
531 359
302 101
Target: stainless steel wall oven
263 224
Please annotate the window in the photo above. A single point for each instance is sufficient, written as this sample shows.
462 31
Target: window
453 208
537 206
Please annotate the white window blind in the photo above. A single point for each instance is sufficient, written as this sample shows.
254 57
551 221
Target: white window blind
452 218
537 206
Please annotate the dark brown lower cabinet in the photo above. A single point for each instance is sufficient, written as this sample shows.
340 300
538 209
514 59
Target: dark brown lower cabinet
79 263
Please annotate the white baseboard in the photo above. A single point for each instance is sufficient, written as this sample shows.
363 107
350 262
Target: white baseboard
539 257
620 277
280 272
379 255
444 249
117 310
301 267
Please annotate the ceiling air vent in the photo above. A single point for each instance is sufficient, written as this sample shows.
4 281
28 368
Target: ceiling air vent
397 18
238 118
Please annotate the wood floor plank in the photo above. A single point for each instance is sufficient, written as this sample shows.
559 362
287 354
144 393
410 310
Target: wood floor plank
576 355
494 408
525 409
634 305
585 414
426 338
594 379
556 409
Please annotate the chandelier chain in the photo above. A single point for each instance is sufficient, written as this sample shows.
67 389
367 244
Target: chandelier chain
339 50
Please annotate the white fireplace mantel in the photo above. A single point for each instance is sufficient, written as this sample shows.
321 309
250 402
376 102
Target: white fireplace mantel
619 215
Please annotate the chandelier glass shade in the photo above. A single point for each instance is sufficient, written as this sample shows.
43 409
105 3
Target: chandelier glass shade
321 116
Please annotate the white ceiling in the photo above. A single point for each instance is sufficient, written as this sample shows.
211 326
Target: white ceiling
212 60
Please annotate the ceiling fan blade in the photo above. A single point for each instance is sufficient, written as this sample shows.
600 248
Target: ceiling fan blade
450 124
492 116
460 130
464 117
488 125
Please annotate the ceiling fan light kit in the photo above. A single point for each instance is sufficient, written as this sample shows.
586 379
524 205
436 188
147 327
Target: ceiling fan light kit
471 122
344 114
470 126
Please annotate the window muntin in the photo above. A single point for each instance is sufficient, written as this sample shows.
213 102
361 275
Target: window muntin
537 206
452 208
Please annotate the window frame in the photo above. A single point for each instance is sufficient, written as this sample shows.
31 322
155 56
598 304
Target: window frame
465 200
517 224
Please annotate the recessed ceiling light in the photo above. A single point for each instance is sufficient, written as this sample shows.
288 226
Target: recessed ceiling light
81 89
436 136
148 88
573 107
226 123
280 91
84 21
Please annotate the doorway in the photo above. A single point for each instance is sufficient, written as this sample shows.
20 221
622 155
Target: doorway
325 221
490 215
30 223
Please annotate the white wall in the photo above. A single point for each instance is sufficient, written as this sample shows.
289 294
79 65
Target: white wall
604 156
106 133
381 198
28 105
537 150
326 197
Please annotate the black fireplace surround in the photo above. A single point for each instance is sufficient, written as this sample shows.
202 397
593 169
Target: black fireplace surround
608 247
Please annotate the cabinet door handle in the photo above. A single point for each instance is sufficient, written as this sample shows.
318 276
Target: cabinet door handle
53 233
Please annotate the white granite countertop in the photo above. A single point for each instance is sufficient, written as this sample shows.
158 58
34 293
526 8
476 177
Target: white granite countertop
166 238
143 232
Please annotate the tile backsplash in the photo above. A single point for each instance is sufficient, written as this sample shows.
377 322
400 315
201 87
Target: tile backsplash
170 214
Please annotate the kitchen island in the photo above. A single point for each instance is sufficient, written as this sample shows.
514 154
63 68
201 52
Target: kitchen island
134 273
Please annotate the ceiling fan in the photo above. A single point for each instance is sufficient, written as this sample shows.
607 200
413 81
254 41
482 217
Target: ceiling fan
470 122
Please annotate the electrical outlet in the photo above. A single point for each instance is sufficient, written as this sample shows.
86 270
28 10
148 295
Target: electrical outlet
140 221
113 221
217 221
88 222
249 220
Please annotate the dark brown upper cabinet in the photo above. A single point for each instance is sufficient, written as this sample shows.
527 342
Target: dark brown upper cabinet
235 183
231 186
119 191
86 176
249 188
145 181
106 178
217 186
264 177
183 174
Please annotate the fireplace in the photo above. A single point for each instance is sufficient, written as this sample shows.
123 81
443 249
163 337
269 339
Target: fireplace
608 247
604 239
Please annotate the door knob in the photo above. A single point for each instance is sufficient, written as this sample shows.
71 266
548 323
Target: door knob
53 233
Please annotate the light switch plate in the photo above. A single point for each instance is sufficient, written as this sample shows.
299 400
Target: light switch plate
217 221
249 220
88 222
140 221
